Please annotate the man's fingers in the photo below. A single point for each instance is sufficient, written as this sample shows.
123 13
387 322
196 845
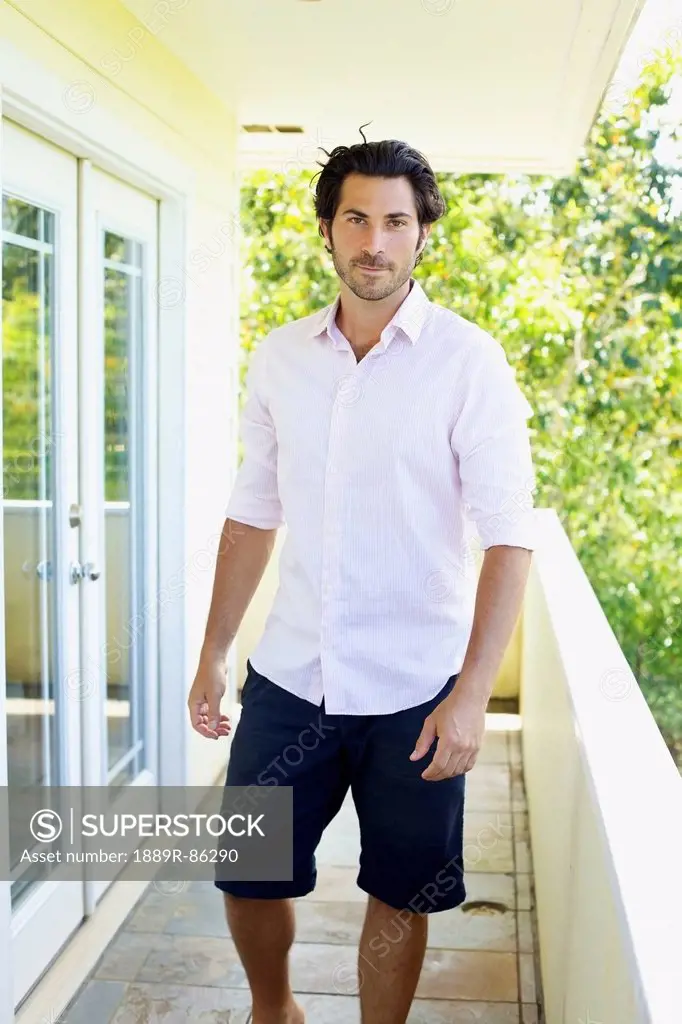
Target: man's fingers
424 741
213 713
438 769
222 729
207 723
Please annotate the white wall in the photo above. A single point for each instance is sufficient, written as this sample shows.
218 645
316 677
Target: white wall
605 808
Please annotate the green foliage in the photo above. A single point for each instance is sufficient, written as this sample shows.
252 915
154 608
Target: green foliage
580 279
29 438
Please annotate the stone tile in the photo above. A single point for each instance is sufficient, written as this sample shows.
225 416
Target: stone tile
529 1013
336 883
521 828
125 955
153 912
194 960
488 843
97 1001
177 1004
446 974
324 1009
495 856
199 913
524 898
325 968
446 1011
484 885
340 843
488 788
331 922
518 796
475 928
527 978
494 748
473 975
202 885
522 855
484 827
525 931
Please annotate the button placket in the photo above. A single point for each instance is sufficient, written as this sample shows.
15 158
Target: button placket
333 515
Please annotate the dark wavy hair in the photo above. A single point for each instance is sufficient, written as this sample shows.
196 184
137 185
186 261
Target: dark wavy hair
389 158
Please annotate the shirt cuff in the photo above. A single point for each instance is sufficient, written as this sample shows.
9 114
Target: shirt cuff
516 527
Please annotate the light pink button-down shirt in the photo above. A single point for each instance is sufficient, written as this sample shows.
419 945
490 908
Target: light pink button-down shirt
388 473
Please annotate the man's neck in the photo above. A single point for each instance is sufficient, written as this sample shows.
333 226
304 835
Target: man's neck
362 322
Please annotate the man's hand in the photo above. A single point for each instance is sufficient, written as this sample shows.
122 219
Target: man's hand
459 723
204 699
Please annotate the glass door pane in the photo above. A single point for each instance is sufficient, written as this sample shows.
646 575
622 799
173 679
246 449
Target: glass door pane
33 699
41 599
122 258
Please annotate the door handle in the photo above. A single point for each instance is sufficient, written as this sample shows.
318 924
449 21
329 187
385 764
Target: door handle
81 570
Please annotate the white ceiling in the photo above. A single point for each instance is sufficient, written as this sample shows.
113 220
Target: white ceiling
476 85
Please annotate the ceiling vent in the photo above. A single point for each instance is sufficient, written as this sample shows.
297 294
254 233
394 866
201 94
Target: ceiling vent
282 129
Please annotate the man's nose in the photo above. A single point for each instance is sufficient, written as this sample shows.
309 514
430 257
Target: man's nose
374 241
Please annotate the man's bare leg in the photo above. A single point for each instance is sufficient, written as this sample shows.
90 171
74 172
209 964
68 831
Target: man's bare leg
263 932
391 954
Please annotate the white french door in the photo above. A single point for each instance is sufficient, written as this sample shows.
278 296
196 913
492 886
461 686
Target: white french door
118 470
40 479
79 259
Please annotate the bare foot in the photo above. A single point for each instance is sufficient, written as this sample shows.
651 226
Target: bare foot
297 1016
292 1015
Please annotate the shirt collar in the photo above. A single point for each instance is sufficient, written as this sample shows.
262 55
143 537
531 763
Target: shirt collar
410 316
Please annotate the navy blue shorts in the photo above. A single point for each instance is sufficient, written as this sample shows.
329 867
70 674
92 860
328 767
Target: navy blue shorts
411 830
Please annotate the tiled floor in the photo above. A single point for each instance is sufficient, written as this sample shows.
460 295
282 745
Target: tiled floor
173 962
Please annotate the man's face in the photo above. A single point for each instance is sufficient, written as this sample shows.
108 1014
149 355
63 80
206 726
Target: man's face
375 226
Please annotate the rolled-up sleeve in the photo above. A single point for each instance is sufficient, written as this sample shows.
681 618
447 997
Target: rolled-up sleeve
255 499
491 443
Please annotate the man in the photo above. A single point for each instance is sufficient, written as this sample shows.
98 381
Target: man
375 429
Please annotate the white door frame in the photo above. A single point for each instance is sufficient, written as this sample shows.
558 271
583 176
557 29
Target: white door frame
32 96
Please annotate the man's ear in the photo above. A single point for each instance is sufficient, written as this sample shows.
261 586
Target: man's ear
426 231
323 229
